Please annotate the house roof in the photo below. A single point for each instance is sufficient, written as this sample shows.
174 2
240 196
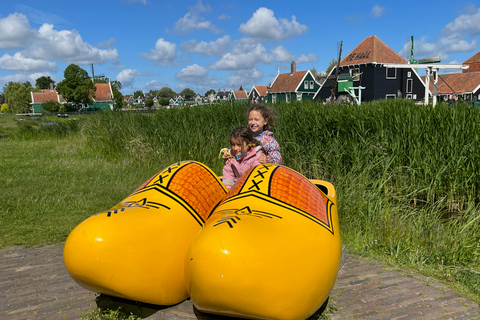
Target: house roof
473 62
473 59
262 90
104 92
46 95
456 82
240 94
370 50
287 82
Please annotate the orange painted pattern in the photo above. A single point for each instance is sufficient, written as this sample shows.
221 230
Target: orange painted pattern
290 187
196 186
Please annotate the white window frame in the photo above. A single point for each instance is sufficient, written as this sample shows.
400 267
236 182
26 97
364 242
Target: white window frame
299 96
409 85
288 97
409 96
274 97
386 75
305 84
409 74
355 73
312 85
390 96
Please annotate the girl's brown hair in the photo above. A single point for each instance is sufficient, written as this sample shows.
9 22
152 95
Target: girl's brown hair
246 134
267 114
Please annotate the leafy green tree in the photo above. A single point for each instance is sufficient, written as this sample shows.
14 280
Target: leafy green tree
166 92
209 91
17 97
331 65
51 106
2 99
77 87
137 94
149 103
44 82
27 84
163 101
241 88
188 93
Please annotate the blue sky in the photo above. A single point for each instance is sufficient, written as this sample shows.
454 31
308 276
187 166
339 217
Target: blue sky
202 45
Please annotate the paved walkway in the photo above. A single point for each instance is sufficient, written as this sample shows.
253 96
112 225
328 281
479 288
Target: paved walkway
34 284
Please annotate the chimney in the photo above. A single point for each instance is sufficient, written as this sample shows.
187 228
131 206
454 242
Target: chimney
293 68
51 86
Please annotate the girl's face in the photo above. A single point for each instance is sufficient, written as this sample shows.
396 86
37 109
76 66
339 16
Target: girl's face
238 146
256 122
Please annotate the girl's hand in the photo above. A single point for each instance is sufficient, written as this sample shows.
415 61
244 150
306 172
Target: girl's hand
262 159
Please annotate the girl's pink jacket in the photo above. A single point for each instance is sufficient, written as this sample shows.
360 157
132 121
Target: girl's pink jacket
235 169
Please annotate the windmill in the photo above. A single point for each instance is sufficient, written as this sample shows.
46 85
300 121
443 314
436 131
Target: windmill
339 53
412 60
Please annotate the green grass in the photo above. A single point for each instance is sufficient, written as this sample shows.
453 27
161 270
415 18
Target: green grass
407 176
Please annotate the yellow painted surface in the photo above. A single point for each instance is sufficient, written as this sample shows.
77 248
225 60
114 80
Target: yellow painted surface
136 250
270 250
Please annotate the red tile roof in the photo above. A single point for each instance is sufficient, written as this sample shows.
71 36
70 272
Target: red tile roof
372 49
473 62
262 90
240 94
103 91
456 82
287 82
46 95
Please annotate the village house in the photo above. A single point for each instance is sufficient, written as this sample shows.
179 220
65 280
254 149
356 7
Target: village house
222 95
364 68
44 96
293 86
258 94
238 95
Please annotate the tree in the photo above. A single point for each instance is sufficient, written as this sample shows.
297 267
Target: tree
331 65
149 103
17 97
44 82
163 101
188 93
166 92
137 94
51 106
209 91
77 87
241 88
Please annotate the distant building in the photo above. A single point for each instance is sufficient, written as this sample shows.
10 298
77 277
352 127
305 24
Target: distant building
103 99
258 94
293 86
222 95
364 67
44 96
238 95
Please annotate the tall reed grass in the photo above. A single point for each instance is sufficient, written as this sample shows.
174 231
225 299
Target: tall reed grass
407 176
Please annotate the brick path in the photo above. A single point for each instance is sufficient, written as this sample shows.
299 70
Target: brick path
34 284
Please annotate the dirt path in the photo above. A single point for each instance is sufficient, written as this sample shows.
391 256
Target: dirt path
34 284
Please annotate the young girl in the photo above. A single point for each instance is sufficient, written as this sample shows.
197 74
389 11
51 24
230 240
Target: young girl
245 152
259 120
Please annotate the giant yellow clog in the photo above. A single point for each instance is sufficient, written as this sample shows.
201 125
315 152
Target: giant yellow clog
270 250
136 250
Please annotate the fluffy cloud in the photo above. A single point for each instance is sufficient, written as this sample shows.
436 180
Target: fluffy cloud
378 11
465 24
127 76
245 55
18 62
193 20
68 46
244 77
212 48
164 53
263 24
22 77
280 54
155 85
197 75
15 31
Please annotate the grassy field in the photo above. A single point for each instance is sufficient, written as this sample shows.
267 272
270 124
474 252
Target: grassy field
407 176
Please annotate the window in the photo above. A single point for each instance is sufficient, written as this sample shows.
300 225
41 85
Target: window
409 74
274 97
312 86
355 73
409 85
409 96
305 85
299 96
287 97
390 96
391 73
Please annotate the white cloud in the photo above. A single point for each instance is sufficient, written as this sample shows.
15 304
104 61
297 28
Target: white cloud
244 77
466 24
197 75
22 77
378 11
223 16
163 54
127 76
18 62
68 46
107 44
141 1
264 25
193 20
212 48
15 31
154 85
245 55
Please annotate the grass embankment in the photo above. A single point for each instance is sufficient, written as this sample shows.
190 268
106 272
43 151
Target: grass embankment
407 176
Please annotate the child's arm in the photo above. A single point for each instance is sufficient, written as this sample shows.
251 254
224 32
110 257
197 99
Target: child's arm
228 176
273 151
